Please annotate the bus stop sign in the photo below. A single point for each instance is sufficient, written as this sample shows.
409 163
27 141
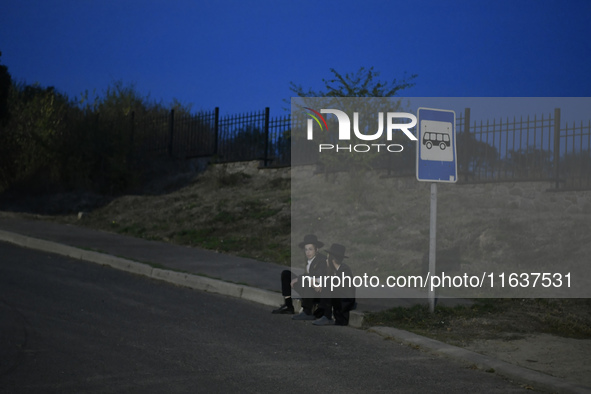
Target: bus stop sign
436 145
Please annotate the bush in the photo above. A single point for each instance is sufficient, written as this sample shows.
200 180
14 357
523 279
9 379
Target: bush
50 143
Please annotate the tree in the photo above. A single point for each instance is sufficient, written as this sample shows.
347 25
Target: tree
362 83
5 84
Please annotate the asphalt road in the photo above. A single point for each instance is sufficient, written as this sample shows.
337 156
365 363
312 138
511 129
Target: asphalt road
71 326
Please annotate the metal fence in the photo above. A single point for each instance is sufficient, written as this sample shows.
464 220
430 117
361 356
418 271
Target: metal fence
531 148
574 166
251 136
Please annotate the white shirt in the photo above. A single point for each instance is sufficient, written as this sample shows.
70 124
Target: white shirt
309 264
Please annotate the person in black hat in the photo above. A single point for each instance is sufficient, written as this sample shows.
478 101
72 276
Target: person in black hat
315 266
340 300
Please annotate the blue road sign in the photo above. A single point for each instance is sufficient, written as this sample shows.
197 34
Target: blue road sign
436 145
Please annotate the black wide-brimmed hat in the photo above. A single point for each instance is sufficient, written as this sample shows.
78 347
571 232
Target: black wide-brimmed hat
311 239
337 250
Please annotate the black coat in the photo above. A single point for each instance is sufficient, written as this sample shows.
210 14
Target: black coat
318 269
342 298
346 291
318 266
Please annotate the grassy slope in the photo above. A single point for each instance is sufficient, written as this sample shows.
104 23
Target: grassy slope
231 213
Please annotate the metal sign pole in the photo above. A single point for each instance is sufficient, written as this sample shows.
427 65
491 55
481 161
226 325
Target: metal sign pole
436 162
432 243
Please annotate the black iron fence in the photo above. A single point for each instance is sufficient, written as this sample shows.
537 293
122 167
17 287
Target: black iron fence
251 136
531 148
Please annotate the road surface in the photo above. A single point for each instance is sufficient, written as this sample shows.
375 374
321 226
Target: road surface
71 326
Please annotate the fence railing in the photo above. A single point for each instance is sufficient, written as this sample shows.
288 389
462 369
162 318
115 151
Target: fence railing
252 136
531 148
534 148
574 169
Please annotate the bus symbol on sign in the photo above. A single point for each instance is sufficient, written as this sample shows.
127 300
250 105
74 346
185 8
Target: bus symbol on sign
440 139
436 134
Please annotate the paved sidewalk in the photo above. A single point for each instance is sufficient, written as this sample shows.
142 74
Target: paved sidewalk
234 276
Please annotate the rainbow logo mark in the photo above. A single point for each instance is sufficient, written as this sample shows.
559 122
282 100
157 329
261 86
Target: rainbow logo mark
316 118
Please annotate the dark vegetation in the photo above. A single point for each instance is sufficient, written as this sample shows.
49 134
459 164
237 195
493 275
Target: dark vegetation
52 143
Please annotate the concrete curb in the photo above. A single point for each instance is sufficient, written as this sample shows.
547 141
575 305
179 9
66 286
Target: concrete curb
516 373
184 279
269 298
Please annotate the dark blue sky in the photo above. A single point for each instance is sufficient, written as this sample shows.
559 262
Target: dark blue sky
241 55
